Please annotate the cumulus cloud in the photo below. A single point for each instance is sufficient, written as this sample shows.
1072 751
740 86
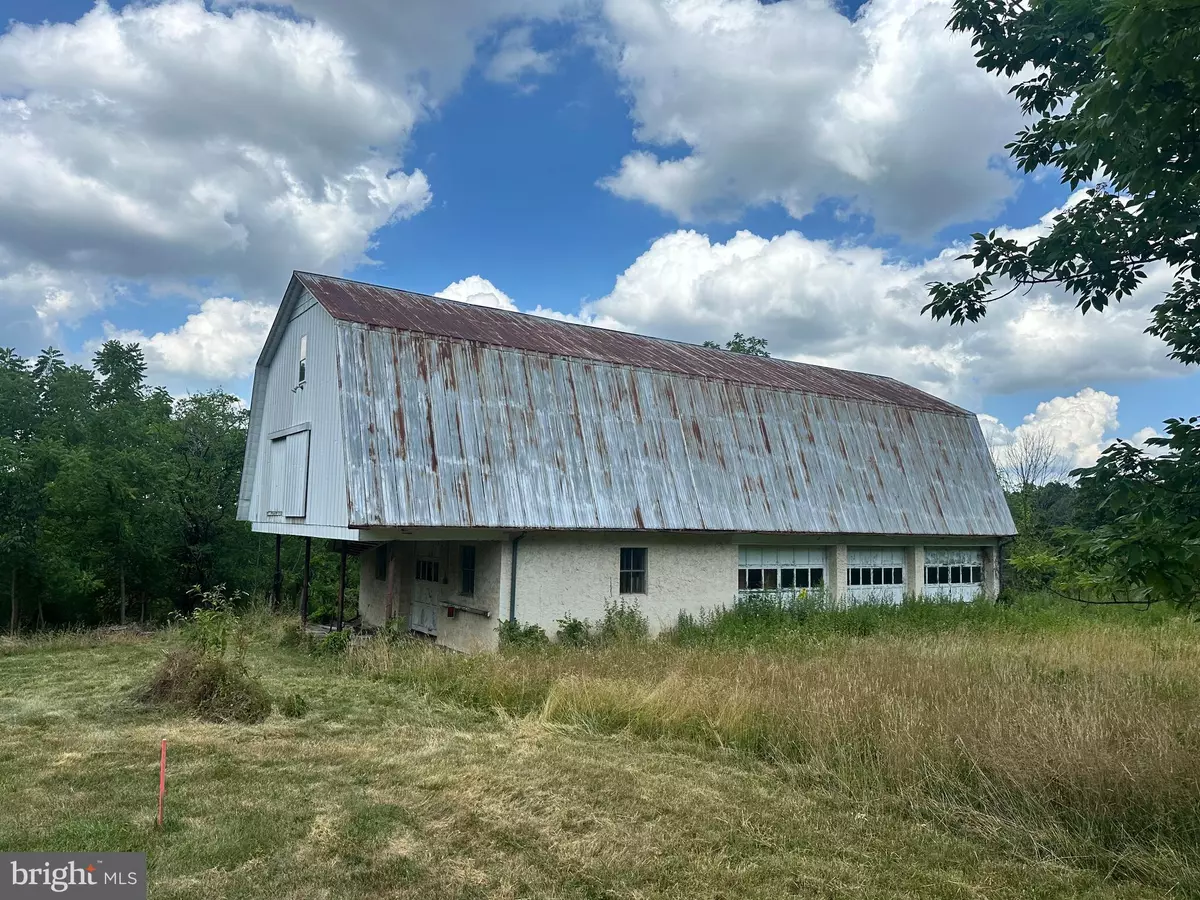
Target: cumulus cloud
177 142
218 343
857 308
792 102
479 291
516 58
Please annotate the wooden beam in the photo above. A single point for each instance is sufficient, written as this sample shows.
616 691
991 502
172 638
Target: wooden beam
277 584
342 590
304 584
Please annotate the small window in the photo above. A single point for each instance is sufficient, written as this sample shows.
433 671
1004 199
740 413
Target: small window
898 575
887 575
633 570
741 579
787 578
303 357
771 579
754 579
855 576
467 566
816 578
976 575
381 562
427 570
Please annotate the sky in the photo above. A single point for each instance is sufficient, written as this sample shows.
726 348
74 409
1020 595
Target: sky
797 170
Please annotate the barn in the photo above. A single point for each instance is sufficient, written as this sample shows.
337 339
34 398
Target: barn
482 464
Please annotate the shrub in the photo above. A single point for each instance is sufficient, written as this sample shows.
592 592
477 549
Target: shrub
206 686
514 635
294 706
573 632
333 644
623 623
214 624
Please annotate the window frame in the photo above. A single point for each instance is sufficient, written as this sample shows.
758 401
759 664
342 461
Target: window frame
466 570
428 570
875 576
302 368
633 578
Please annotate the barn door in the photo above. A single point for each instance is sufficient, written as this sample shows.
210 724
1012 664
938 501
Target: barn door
296 502
277 484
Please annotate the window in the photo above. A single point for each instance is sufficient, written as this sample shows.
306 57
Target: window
427 570
381 564
780 568
467 569
954 574
303 357
633 570
857 576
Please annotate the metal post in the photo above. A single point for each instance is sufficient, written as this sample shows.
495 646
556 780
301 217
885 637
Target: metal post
342 590
277 584
304 584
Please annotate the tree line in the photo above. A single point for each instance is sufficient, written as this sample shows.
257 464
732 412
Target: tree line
116 499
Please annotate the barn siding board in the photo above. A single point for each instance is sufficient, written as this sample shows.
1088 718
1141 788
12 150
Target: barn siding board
531 441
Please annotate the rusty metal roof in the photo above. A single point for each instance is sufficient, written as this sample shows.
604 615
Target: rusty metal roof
597 430
383 307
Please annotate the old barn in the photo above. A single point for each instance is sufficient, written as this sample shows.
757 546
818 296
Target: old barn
483 464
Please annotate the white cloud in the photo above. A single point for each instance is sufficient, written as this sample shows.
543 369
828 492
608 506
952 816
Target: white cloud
479 291
219 343
792 102
516 58
857 308
170 142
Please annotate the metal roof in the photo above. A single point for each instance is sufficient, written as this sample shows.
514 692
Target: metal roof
520 423
369 304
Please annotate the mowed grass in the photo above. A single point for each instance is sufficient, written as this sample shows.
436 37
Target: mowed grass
1010 757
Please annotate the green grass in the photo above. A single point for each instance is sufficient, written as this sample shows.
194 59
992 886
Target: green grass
1037 752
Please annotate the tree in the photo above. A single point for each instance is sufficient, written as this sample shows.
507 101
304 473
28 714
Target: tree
747 345
1114 91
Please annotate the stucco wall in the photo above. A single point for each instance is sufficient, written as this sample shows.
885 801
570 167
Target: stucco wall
576 574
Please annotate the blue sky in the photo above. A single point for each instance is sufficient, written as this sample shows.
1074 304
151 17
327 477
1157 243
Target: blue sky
685 168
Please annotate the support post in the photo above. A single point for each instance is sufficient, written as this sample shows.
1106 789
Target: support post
914 572
304 583
389 601
342 590
277 584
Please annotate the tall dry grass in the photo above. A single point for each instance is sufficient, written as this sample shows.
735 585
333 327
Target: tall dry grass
1082 742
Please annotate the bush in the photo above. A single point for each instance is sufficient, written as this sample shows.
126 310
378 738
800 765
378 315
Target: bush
214 625
333 644
623 623
206 686
294 706
514 635
573 632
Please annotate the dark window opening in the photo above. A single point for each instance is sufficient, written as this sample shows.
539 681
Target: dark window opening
787 578
741 579
467 567
633 570
754 579
770 579
816 577
427 570
898 575
381 563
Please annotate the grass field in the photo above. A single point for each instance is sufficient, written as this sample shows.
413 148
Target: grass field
928 752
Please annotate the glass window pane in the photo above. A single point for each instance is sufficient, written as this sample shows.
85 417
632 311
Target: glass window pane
898 575
638 582
771 579
626 582
816 577
741 579
955 574
977 574
754 579
787 578
877 577
855 576
943 574
802 578
887 576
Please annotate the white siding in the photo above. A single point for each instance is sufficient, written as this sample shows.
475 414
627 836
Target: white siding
314 483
